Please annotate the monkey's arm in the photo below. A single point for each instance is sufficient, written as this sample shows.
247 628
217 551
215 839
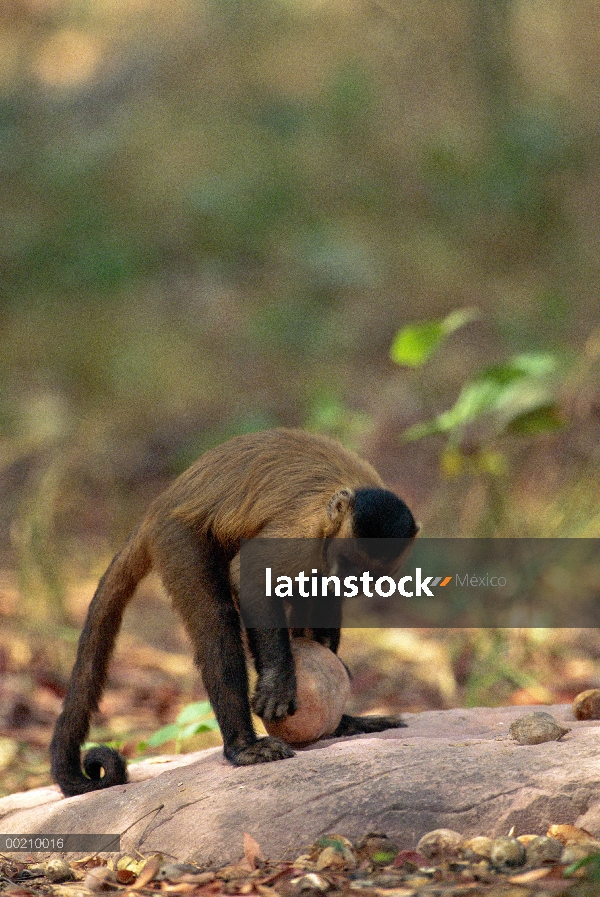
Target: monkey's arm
275 694
195 572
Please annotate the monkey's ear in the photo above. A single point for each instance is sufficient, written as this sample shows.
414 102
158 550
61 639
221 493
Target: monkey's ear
340 504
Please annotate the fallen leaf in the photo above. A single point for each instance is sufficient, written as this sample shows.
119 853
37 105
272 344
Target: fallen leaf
523 878
570 834
182 887
252 851
410 858
147 873
200 878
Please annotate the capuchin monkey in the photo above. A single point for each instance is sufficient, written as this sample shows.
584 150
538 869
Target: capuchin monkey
275 484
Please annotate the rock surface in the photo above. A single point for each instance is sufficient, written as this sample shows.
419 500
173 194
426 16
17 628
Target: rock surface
455 769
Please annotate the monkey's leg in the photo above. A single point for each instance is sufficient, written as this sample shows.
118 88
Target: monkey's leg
195 575
358 725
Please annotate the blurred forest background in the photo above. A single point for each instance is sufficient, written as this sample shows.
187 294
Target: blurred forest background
217 216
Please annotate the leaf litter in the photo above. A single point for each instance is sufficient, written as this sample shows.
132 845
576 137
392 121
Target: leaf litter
565 861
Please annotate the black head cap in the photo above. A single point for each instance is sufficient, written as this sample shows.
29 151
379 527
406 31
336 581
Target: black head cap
379 514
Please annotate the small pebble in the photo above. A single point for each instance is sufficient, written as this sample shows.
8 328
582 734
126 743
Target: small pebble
173 871
58 870
477 847
440 844
507 852
543 850
526 839
330 858
537 728
587 704
310 882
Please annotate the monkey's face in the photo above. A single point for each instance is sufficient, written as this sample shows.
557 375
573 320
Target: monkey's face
380 557
373 530
370 513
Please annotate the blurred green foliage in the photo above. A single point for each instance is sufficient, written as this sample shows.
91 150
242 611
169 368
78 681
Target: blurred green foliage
525 396
216 215
194 719
513 178
414 344
588 868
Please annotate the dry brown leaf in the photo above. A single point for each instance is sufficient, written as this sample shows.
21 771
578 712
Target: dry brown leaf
198 878
252 851
147 873
19 892
182 887
524 878
570 834
279 873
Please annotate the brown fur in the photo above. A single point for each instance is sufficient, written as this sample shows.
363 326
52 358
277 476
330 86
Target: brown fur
270 483
284 483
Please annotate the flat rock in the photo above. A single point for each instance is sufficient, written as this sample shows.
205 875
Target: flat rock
455 769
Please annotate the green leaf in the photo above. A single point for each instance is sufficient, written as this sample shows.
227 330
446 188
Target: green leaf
331 841
197 728
414 344
383 857
545 419
537 365
592 865
420 431
167 733
194 712
519 395
475 399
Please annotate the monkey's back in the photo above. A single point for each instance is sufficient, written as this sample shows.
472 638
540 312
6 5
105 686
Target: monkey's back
278 479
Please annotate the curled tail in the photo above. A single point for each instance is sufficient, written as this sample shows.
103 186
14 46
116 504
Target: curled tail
89 676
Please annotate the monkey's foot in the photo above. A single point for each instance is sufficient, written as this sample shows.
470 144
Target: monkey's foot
264 750
358 725
275 696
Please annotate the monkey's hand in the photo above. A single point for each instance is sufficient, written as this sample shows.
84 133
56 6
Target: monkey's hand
358 725
263 750
275 695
